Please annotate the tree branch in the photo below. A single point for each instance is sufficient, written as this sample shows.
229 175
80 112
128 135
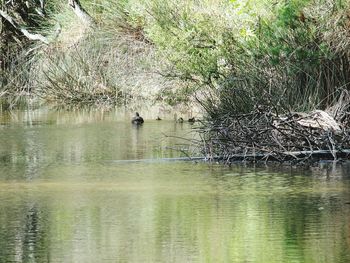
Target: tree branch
24 31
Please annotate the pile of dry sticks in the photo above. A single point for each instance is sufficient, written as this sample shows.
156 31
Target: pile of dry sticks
265 135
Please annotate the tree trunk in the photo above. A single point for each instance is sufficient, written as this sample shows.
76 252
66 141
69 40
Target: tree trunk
5 37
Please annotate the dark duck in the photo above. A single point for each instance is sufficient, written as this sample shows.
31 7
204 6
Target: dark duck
137 119
192 120
180 120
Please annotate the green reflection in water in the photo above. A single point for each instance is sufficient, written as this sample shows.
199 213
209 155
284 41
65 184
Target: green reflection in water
64 198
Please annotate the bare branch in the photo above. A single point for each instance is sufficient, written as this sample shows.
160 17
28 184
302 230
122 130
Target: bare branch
24 31
263 135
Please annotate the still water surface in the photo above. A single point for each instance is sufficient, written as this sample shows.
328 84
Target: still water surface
69 193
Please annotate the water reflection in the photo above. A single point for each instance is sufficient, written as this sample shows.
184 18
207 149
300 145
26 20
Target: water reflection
64 199
80 137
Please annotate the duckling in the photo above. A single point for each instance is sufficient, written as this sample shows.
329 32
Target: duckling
180 120
192 120
137 119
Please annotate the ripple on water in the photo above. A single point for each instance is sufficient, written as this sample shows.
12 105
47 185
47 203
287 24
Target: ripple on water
67 194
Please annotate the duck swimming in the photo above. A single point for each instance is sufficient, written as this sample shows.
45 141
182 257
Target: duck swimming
137 119
192 120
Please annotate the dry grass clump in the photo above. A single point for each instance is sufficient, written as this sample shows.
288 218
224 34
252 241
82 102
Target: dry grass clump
103 68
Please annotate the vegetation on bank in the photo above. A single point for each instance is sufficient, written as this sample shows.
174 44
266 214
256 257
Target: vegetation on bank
84 63
234 57
295 52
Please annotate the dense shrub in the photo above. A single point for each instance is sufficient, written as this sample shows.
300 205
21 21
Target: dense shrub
271 53
231 55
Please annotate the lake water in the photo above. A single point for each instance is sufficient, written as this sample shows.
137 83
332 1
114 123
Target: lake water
72 190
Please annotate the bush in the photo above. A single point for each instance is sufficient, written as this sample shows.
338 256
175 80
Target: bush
231 55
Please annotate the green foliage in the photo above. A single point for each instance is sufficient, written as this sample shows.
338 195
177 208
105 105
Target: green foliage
240 53
187 40
280 54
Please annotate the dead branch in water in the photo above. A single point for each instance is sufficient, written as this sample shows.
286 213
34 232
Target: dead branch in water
266 135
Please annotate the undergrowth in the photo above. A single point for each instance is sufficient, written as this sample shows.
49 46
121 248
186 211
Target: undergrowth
232 56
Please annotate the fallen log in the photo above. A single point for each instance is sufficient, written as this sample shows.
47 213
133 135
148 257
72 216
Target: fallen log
319 119
299 156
